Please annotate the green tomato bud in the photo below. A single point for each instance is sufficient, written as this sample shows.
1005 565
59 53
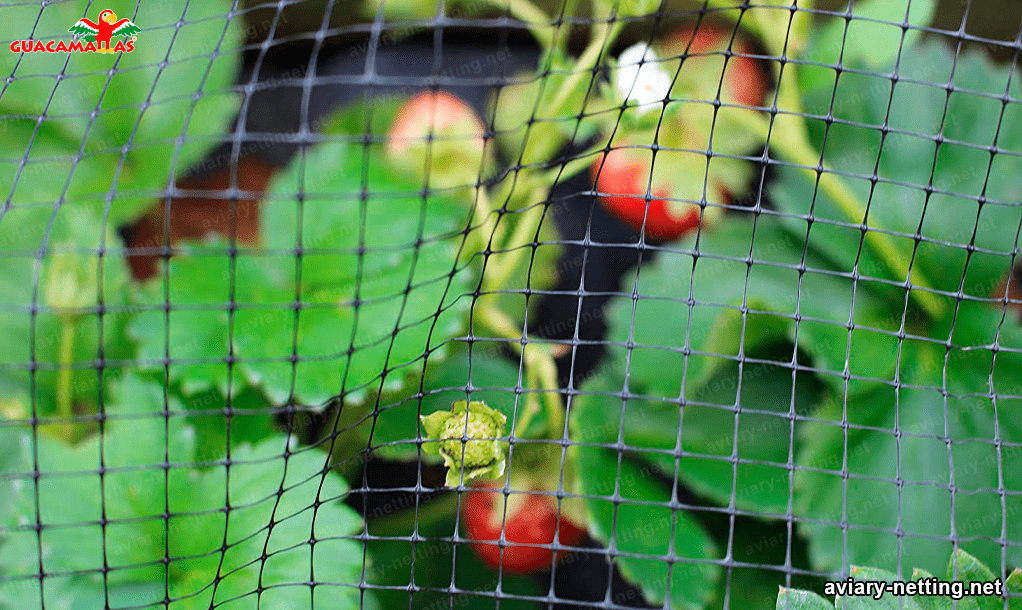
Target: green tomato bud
469 441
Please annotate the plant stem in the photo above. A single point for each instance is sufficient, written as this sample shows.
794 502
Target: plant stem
587 62
538 362
498 322
67 343
580 163
487 230
523 233
491 224
798 150
405 520
531 15
531 404
547 371
570 6
540 368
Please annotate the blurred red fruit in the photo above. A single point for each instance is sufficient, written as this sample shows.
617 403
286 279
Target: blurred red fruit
434 112
623 179
745 80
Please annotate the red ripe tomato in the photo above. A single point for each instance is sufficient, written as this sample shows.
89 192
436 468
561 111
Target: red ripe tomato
531 520
745 81
434 111
623 179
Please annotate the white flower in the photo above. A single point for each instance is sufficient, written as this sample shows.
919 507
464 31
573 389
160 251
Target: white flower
648 84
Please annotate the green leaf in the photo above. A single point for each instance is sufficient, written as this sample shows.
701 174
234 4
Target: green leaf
395 423
917 112
49 169
14 458
736 308
796 599
278 502
379 112
862 440
708 436
146 104
869 602
66 233
70 497
971 570
419 9
1014 581
966 568
362 312
665 551
250 418
256 475
1013 587
431 561
948 403
870 40
930 602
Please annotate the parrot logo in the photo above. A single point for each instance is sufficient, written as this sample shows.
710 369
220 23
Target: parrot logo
97 35
107 27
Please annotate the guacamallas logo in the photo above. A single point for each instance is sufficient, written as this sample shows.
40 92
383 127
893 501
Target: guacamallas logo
90 37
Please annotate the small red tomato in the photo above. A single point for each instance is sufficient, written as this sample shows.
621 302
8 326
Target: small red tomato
436 112
745 81
622 177
531 520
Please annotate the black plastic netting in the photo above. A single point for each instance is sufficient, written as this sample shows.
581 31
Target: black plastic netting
510 303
